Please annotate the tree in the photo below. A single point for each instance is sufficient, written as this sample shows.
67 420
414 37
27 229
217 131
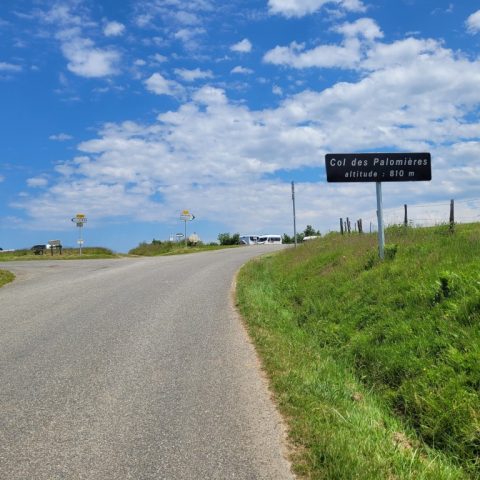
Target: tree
227 239
310 232
287 239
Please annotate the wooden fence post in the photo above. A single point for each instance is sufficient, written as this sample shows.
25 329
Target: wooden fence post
341 226
452 215
405 218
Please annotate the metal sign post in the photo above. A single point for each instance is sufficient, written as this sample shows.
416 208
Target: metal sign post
80 219
378 168
294 216
381 230
186 216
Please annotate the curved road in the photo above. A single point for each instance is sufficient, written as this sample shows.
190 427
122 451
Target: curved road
132 369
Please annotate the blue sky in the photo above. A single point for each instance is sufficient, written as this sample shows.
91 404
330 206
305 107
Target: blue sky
132 111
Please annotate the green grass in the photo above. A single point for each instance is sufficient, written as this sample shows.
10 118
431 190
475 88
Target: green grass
67 254
173 248
6 277
376 365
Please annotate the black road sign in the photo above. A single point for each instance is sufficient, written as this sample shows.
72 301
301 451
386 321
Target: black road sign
378 167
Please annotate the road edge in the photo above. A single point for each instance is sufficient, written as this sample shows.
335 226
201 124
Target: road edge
287 448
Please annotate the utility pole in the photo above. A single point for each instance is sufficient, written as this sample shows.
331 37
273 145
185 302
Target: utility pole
294 215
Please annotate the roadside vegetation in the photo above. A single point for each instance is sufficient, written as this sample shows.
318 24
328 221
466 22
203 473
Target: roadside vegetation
6 277
308 232
375 365
67 254
158 247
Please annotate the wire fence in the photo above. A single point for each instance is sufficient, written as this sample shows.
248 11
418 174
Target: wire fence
418 215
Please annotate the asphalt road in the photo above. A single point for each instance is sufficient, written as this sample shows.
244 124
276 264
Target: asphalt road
132 369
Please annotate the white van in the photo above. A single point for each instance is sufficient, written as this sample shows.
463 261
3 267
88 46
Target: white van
269 240
248 239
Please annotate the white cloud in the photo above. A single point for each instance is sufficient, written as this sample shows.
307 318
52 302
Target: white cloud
189 36
86 60
143 20
363 27
244 46
159 85
403 52
157 58
473 22
84 57
241 70
9 67
61 137
358 39
327 56
61 14
209 96
299 8
113 29
37 182
187 18
276 90
192 75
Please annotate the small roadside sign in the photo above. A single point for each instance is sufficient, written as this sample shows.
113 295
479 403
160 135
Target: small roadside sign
378 167
80 219
186 216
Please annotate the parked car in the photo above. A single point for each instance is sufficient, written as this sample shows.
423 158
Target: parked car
38 249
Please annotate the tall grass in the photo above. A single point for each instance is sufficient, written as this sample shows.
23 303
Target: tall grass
377 364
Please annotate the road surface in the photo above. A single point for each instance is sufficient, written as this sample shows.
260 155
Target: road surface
132 369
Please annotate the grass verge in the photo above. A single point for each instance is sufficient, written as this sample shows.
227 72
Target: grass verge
6 277
375 365
173 248
67 254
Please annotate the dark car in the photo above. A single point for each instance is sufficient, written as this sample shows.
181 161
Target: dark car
38 249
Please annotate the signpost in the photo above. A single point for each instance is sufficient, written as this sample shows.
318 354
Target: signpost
186 216
378 168
55 245
294 216
80 219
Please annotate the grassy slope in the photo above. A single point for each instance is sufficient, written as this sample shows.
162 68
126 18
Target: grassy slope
376 365
6 277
